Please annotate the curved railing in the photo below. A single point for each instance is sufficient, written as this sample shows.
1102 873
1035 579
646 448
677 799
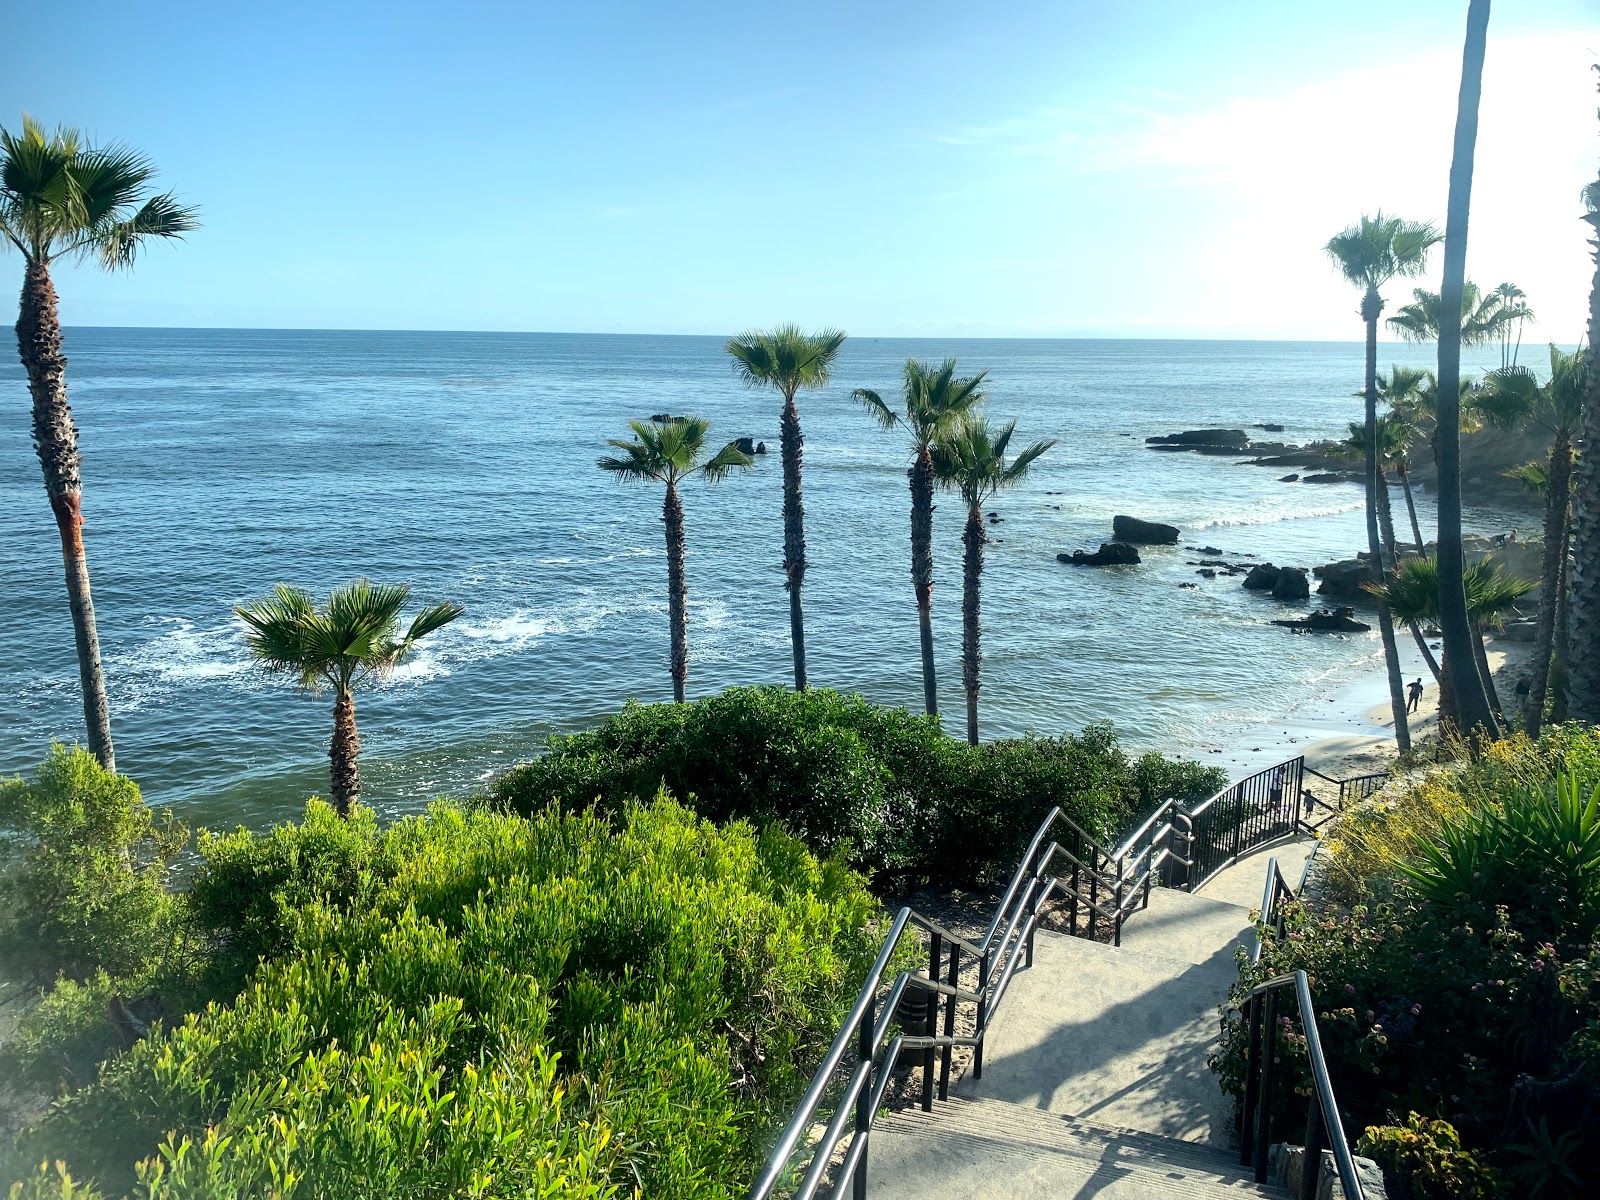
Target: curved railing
1100 887
1324 1129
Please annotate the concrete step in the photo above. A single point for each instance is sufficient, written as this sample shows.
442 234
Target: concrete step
1117 1036
1191 928
1244 882
988 1150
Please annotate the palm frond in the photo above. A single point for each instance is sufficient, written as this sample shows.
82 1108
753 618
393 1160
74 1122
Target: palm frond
786 357
159 217
876 408
1535 476
724 462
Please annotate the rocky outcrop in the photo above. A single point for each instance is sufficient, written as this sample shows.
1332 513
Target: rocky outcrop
1328 620
1291 584
1148 533
1327 477
1110 554
1344 579
1263 577
1202 437
745 445
761 447
1289 479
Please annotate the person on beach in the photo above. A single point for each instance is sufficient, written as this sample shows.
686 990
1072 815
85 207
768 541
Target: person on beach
1413 695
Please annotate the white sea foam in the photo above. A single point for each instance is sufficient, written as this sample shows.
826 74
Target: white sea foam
1269 517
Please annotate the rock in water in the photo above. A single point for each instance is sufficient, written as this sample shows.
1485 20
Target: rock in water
1325 620
1110 554
745 445
1291 584
1262 578
1344 579
761 447
1202 437
1289 479
1150 533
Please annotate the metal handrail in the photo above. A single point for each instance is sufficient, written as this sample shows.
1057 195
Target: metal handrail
1260 1011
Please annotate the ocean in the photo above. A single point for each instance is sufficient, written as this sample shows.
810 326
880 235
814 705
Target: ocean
218 463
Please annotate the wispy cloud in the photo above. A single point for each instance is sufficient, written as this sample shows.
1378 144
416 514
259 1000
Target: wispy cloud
618 212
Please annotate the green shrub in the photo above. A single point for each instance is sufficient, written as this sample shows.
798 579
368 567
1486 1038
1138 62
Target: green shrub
83 882
1425 1159
909 802
553 1006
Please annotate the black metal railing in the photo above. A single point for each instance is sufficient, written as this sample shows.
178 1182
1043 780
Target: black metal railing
1319 810
1324 1129
1099 887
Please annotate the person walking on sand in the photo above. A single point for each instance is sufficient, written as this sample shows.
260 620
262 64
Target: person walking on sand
1413 695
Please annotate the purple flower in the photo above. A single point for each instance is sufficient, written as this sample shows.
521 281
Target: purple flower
1350 989
1415 1009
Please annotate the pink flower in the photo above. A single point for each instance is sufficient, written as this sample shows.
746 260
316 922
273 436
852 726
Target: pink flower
1350 989
1415 1009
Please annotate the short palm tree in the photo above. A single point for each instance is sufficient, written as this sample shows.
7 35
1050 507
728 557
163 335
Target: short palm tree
1514 397
61 199
788 360
669 452
935 400
1402 389
1394 450
1370 254
353 638
1495 316
971 461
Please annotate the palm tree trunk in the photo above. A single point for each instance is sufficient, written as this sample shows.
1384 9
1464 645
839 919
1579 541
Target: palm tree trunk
1583 592
55 437
1556 501
794 535
1558 666
1422 645
343 754
1391 548
1404 471
921 477
972 540
1481 657
1449 710
1472 695
1371 306
677 591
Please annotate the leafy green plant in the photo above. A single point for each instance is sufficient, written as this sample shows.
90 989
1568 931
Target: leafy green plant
1545 1165
1425 1158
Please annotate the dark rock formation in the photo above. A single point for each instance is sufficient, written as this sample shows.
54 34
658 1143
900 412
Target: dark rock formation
1270 428
761 447
1211 550
1325 477
1262 578
1291 584
745 445
1193 587
1110 554
666 418
1206 573
1344 579
1328 620
1289 479
1201 437
1150 533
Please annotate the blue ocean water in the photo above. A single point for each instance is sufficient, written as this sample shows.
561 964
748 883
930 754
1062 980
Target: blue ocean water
220 462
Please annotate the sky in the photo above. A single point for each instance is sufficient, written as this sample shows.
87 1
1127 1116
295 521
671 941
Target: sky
1150 168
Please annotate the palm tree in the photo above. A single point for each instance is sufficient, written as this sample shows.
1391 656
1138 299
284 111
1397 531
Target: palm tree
353 638
61 199
1455 621
1512 397
1394 448
971 460
935 400
669 452
1401 390
1498 315
1583 592
788 359
1370 254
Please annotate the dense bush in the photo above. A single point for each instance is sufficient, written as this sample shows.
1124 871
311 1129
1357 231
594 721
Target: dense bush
909 802
1467 991
490 1006
83 874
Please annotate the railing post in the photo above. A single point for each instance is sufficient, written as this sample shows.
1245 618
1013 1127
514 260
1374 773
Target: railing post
1311 1170
1188 847
983 1013
1269 1055
1074 909
1252 1082
930 1020
858 1182
1116 926
954 980
1094 897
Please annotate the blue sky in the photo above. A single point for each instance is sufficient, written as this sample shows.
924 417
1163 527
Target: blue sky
930 168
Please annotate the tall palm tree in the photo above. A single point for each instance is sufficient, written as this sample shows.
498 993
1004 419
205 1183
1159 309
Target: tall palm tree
1495 316
788 359
354 637
1472 691
1513 397
971 461
935 401
1370 254
1583 592
1401 390
62 199
669 452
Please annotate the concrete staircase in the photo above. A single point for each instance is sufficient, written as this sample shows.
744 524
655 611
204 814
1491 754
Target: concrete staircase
1094 1078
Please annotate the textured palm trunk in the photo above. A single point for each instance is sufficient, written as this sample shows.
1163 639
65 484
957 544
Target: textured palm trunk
1449 710
1422 646
1391 547
1559 659
1583 599
1404 471
1557 500
794 536
677 592
1481 657
344 753
1472 695
972 540
921 477
55 438
1371 306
